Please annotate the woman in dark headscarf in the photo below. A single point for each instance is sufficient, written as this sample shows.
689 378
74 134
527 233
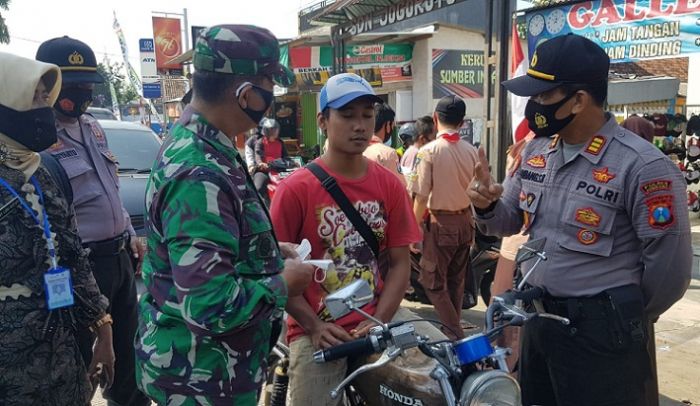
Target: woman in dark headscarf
640 126
47 290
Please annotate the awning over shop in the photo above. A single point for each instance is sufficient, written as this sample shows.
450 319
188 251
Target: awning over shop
182 58
642 90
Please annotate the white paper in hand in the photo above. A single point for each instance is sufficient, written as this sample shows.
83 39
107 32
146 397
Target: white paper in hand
304 249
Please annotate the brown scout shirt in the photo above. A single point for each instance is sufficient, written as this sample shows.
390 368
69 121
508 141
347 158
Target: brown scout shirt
384 156
444 171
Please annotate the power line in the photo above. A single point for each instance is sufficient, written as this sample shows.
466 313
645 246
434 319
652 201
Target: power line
40 42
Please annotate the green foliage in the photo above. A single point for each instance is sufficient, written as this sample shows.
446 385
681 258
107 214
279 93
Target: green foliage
113 73
4 31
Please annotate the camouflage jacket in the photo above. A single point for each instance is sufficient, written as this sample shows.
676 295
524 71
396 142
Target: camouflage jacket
212 272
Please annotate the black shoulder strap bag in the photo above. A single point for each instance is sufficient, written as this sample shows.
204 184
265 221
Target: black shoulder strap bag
331 185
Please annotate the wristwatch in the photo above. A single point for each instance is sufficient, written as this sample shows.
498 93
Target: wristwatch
106 319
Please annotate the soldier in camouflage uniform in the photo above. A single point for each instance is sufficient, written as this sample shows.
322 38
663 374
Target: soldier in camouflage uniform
216 277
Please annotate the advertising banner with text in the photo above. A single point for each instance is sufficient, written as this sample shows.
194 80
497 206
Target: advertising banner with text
458 72
168 41
628 30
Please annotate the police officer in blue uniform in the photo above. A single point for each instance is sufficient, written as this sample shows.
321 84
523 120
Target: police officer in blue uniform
613 210
103 223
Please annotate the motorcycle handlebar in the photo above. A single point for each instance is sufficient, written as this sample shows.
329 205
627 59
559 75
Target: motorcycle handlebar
360 347
508 299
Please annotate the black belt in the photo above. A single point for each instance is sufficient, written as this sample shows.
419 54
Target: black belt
111 247
592 308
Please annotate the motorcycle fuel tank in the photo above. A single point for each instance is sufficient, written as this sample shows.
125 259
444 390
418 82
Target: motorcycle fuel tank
406 380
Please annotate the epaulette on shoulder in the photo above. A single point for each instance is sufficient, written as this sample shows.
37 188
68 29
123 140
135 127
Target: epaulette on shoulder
646 151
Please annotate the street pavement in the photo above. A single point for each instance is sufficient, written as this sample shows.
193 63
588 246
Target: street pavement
677 338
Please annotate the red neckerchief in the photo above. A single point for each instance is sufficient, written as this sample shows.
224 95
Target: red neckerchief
451 138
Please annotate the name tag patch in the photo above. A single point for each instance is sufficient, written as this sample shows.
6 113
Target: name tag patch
598 191
532 176
69 153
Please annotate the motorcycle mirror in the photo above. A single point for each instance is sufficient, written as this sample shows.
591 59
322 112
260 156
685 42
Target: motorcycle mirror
530 250
345 300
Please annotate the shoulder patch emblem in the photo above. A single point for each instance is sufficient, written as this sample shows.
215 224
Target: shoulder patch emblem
603 175
661 211
655 186
587 237
596 145
537 161
588 216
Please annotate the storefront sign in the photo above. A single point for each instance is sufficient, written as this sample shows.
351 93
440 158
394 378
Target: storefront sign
378 63
458 72
405 10
168 41
149 72
628 30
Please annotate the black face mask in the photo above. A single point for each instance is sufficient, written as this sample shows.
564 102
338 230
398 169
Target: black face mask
542 120
255 115
73 101
35 129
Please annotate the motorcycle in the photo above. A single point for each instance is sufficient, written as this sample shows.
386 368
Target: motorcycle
396 364
279 169
483 257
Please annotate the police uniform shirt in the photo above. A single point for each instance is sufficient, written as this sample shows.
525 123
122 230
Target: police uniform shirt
92 169
614 215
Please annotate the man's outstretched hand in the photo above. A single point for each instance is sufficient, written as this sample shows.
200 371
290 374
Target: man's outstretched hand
483 190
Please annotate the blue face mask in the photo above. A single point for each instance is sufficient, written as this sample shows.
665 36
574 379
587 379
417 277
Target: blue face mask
255 115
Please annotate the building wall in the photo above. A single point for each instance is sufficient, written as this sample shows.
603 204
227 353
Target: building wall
445 38
693 98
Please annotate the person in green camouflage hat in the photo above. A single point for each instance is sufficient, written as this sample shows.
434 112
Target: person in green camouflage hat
216 276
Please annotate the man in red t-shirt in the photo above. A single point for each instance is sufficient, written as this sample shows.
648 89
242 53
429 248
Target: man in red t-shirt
302 209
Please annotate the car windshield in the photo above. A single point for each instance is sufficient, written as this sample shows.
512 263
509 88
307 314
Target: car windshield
103 115
136 150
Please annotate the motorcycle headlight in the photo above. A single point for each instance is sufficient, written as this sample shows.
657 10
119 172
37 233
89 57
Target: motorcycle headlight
490 388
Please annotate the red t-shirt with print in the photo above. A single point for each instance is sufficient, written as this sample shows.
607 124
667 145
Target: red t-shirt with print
302 209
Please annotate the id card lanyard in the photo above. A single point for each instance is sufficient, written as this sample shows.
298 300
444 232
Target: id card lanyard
57 280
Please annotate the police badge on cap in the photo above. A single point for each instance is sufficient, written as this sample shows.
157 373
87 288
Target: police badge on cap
75 59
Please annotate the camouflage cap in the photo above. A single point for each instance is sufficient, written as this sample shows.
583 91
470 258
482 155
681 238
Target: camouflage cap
241 50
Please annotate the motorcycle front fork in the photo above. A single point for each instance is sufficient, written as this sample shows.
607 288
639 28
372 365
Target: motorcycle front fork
443 377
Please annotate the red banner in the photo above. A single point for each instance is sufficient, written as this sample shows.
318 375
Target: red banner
168 41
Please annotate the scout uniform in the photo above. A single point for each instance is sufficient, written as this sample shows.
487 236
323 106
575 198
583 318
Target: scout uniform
618 248
384 156
103 222
213 268
449 231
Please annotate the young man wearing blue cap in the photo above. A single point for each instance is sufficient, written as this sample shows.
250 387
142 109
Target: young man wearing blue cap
612 209
302 209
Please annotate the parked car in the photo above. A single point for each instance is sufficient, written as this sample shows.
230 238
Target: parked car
102 113
136 148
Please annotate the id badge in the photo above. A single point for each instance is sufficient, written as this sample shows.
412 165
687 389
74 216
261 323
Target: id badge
58 287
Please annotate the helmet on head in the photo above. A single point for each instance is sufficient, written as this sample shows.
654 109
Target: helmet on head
408 133
268 124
